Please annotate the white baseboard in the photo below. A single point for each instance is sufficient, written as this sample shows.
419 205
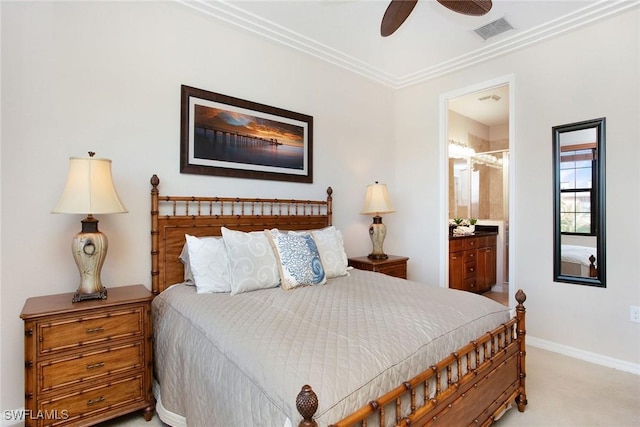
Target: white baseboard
587 356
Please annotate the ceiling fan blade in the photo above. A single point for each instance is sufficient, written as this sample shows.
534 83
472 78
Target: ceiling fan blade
468 7
397 12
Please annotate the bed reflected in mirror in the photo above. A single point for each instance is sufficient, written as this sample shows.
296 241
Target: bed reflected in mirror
579 203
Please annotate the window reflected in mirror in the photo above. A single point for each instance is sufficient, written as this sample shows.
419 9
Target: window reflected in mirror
579 203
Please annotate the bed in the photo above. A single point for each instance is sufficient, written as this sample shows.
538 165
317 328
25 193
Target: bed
360 349
578 261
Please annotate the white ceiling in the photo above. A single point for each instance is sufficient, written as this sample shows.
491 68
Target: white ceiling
433 41
489 107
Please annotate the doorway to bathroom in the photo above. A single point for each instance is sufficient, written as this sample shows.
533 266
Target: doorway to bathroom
478 145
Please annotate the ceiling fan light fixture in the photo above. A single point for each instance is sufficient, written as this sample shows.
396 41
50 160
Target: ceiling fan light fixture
493 28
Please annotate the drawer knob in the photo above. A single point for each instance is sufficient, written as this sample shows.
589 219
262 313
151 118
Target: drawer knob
95 365
92 330
94 401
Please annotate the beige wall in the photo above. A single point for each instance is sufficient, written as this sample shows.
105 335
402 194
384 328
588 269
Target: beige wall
589 73
106 76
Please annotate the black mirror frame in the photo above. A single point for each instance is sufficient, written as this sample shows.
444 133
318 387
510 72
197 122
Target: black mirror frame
600 201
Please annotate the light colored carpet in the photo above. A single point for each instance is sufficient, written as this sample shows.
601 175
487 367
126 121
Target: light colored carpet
561 391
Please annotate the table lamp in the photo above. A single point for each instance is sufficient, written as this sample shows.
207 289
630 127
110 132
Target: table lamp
376 203
89 190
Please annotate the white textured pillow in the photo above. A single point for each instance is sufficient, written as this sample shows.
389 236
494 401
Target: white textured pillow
208 264
252 263
298 259
331 248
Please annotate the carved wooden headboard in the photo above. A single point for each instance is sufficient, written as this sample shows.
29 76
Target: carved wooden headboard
174 216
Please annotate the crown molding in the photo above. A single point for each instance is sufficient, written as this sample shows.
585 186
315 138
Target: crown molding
232 14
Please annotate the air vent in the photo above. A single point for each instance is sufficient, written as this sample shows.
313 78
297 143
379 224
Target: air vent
494 28
492 97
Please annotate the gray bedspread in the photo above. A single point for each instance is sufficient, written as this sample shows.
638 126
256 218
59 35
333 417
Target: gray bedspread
241 360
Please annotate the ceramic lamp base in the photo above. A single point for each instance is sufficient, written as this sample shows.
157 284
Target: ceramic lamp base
89 249
377 232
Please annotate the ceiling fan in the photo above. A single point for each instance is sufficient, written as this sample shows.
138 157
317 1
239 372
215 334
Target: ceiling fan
399 10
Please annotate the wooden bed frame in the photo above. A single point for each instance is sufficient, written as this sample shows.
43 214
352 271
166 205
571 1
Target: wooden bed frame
474 385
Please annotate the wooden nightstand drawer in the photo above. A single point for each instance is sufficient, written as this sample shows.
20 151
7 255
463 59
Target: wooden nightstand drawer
92 401
399 270
90 365
392 266
89 329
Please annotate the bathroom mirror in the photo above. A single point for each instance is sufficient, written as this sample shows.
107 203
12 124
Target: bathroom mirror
579 203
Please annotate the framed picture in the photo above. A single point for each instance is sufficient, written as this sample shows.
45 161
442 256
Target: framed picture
226 136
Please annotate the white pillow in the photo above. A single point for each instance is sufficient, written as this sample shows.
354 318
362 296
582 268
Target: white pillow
298 259
252 263
208 264
184 259
331 248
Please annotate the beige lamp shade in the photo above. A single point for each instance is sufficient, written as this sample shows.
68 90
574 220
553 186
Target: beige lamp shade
377 200
89 189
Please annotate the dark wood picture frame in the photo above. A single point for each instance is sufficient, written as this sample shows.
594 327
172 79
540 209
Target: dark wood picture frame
226 136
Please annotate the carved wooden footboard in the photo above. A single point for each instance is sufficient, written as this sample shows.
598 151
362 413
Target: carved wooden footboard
472 386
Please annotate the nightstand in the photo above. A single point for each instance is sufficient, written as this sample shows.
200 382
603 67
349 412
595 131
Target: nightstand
89 361
393 266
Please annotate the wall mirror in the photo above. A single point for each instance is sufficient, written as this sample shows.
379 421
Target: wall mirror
579 203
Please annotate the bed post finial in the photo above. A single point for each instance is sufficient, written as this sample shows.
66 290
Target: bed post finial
155 181
307 404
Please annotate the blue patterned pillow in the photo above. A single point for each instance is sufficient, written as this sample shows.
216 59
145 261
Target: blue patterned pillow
298 259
